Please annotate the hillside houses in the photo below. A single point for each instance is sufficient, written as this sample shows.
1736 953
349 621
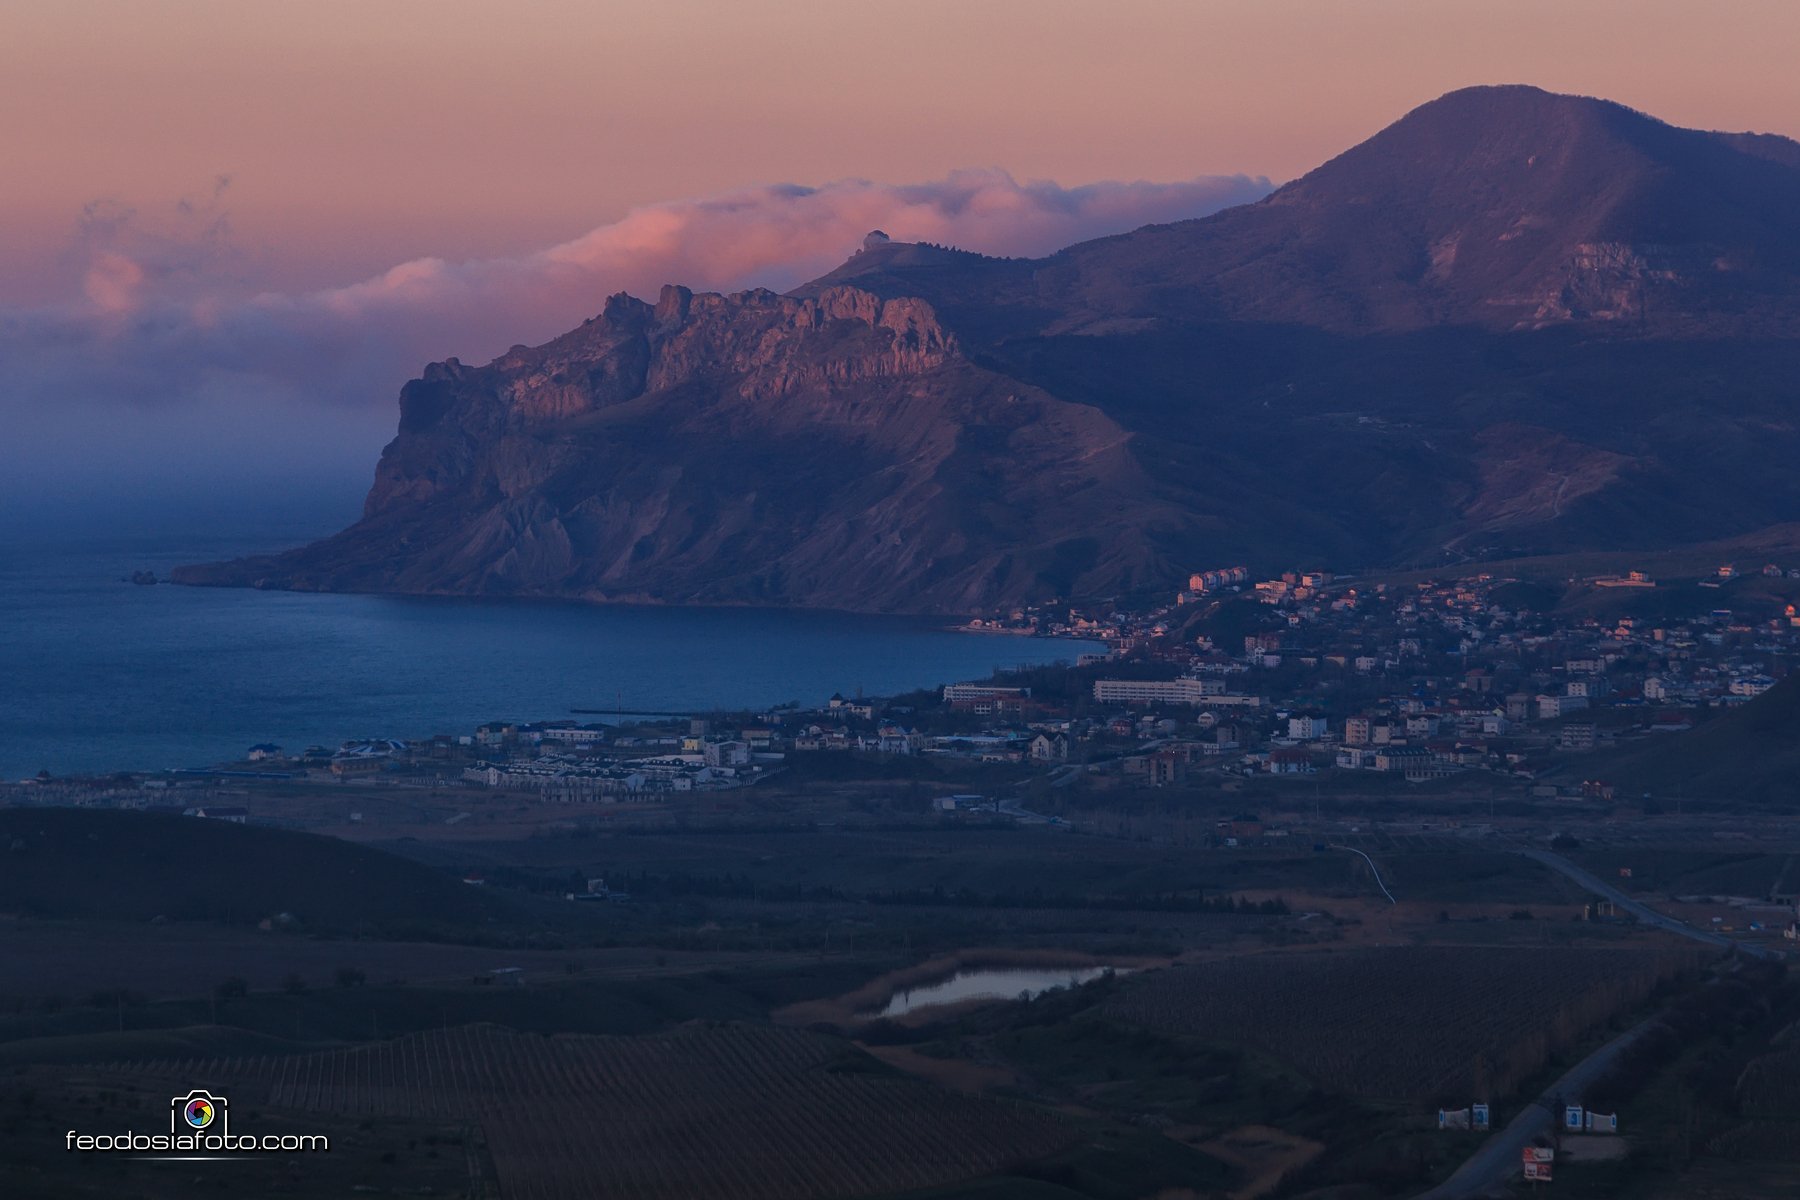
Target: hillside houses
1482 688
1429 679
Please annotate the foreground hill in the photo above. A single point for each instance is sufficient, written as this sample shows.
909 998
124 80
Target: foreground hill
782 1113
1511 323
99 863
1749 754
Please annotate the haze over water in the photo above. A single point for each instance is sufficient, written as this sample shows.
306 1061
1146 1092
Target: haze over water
104 675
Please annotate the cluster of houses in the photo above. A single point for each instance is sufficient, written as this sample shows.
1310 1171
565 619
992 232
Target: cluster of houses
573 763
1423 680
1417 681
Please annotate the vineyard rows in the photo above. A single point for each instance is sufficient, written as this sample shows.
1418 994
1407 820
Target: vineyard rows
1770 1085
740 1111
1759 1141
1417 1023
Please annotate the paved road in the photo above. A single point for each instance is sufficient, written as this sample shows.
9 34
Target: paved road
1373 870
1492 1166
1497 1162
1011 808
1643 912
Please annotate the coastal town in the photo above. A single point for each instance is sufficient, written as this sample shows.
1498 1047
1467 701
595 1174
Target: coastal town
1301 674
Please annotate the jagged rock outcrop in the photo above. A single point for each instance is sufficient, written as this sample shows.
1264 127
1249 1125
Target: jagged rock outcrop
833 450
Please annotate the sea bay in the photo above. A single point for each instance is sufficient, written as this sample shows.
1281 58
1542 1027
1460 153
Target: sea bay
99 674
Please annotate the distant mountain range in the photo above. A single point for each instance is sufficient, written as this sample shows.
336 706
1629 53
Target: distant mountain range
1511 323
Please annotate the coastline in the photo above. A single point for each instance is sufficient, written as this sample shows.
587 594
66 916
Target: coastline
195 675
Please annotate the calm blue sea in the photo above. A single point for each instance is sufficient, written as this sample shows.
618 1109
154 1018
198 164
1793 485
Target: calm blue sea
99 674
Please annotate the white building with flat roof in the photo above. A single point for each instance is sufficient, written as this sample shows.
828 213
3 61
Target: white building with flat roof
1157 691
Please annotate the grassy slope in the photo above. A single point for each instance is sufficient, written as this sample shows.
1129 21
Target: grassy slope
90 863
1752 754
1697 560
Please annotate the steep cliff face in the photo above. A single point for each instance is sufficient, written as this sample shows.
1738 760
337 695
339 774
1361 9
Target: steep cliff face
835 450
754 350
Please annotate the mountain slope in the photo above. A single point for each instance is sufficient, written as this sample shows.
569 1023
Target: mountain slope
66 863
1496 207
1510 323
741 449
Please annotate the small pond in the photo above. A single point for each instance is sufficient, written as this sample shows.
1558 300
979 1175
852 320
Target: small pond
996 983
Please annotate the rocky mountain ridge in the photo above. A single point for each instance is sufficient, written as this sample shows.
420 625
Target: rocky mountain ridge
1510 323
749 448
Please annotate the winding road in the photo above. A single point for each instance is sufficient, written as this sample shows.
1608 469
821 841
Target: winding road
1490 1168
1373 870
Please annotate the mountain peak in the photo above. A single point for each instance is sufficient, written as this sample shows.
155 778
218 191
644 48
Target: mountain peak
1498 207
943 275
1519 100
1494 136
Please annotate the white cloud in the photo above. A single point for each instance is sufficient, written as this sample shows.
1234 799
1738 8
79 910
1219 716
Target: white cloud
163 326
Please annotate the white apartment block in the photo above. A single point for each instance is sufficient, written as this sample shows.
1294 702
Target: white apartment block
1157 691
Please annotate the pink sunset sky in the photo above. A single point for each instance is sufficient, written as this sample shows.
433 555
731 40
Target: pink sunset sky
223 215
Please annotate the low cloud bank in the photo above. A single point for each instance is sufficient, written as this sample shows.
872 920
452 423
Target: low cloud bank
169 367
